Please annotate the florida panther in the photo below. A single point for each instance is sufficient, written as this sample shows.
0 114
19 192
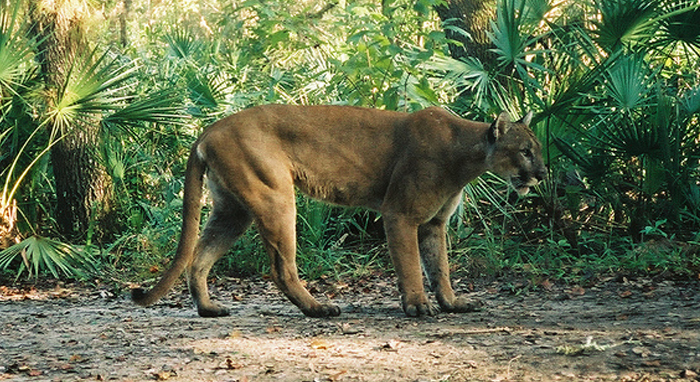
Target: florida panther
409 167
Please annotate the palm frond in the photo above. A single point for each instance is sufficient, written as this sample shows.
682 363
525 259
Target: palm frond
164 106
627 82
11 183
93 88
576 78
209 91
679 27
183 45
594 166
467 72
484 190
16 52
690 101
535 11
43 255
507 34
623 22
627 137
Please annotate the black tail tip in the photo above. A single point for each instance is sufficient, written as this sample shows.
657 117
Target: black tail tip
138 295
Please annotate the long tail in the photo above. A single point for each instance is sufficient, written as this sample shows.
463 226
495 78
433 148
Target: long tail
191 213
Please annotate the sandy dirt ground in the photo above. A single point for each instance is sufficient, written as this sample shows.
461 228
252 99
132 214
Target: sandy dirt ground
616 330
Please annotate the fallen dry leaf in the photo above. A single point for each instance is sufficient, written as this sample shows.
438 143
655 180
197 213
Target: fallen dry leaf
347 328
337 376
625 294
319 344
163 375
228 364
687 373
470 364
391 345
641 351
576 291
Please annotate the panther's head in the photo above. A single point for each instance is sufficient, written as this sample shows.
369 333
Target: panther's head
515 153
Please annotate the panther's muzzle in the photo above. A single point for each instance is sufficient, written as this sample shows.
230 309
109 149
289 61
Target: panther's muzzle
524 180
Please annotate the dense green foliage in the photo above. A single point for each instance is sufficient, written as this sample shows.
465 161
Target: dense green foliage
614 84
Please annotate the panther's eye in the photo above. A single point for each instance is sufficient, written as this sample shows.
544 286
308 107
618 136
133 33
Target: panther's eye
527 153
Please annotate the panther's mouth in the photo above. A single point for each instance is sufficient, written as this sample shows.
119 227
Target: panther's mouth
521 186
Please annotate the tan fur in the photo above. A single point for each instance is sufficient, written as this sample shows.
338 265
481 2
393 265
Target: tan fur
409 167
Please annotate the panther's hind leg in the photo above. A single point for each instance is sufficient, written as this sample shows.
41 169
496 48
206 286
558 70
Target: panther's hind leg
228 220
275 219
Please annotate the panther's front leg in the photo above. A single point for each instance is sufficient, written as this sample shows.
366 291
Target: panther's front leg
402 237
433 252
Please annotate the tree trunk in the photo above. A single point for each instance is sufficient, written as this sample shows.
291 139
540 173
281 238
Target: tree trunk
474 17
83 187
123 18
9 235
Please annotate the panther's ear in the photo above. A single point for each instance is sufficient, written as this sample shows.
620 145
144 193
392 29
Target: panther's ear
526 119
499 127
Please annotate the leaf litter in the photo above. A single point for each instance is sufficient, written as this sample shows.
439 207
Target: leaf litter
628 330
